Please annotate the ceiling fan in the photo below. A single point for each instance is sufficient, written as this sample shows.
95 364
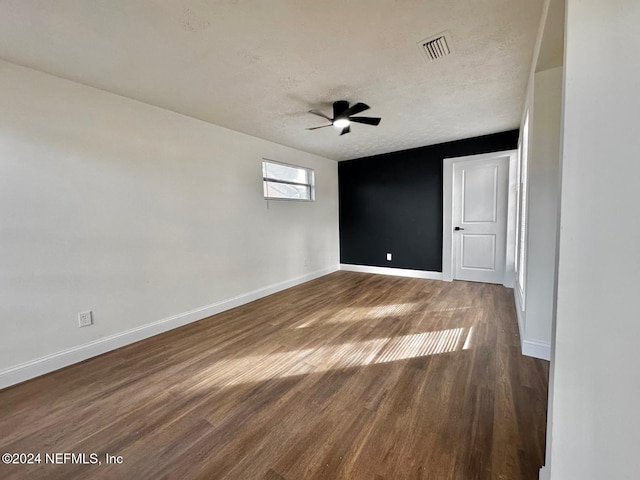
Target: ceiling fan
342 116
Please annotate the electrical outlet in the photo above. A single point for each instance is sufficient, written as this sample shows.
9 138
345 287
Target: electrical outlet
389 256
85 319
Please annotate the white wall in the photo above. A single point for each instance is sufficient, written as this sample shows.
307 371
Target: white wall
544 193
138 214
544 104
536 318
595 429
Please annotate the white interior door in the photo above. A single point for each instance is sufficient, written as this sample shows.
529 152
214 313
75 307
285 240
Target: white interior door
480 196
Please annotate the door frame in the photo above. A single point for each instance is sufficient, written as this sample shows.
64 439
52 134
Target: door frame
448 252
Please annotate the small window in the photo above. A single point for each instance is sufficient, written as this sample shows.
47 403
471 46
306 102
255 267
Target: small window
287 182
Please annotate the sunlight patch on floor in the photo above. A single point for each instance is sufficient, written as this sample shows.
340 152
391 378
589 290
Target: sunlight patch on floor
382 311
281 364
467 342
355 314
421 345
452 309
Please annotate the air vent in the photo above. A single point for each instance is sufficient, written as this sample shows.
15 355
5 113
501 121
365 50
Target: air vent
436 47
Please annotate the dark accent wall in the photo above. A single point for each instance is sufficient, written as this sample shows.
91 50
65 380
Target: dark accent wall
393 203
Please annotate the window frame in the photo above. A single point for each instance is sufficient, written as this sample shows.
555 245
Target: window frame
310 176
522 229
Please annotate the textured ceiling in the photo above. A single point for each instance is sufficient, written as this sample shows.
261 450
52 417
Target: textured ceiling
257 66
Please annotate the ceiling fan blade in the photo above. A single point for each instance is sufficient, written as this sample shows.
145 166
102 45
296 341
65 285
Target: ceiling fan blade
340 108
315 128
320 114
356 108
366 120
346 129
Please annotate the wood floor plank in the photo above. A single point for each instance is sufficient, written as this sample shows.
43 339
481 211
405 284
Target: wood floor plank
350 376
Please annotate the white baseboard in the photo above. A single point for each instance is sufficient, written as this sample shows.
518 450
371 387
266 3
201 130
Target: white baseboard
536 349
49 363
510 279
545 474
398 272
530 348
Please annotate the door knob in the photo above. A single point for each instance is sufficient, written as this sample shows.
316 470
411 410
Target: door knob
458 228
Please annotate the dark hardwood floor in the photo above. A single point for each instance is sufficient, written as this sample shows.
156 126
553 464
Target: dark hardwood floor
350 376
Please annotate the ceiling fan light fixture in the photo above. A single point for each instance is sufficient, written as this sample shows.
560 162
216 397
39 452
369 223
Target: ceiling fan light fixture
341 123
343 116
